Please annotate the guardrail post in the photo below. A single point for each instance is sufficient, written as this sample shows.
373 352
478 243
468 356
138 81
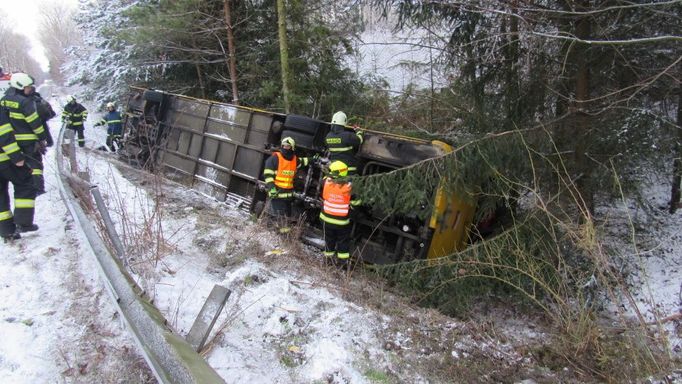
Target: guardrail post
109 224
207 317
170 357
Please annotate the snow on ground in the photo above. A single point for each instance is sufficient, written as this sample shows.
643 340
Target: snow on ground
652 260
56 320
289 318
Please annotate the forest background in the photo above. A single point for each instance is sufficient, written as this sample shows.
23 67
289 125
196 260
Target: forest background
559 111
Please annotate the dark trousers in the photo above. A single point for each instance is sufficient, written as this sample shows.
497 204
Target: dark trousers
24 198
34 160
336 240
280 208
80 134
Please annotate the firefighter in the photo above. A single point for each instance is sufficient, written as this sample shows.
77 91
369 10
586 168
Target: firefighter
45 112
335 214
280 170
74 116
342 144
14 169
29 131
114 127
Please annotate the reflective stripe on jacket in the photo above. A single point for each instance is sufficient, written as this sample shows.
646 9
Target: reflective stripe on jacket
336 202
342 146
286 170
27 125
9 149
75 114
113 122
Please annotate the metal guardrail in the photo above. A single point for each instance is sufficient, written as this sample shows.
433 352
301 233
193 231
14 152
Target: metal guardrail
169 356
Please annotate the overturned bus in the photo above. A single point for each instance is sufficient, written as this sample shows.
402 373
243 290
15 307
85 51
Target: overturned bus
220 149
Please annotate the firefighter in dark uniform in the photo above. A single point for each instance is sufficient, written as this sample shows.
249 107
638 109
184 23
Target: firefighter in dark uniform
29 130
13 169
342 144
74 115
114 127
45 112
280 170
335 214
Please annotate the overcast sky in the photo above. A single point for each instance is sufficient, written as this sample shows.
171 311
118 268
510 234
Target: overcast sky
19 11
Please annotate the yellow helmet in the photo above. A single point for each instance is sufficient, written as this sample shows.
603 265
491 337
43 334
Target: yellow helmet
338 169
289 141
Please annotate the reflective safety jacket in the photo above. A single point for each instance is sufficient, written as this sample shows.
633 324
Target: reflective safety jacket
336 202
113 122
74 115
343 145
280 172
27 125
9 149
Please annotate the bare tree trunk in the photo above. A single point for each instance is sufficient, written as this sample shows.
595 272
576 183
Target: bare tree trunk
582 120
56 32
283 52
677 152
201 80
511 53
197 67
232 64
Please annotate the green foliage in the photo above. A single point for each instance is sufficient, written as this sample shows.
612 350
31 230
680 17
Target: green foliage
476 172
375 376
181 46
522 261
602 102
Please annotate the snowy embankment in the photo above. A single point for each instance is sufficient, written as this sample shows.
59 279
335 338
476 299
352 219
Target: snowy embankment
56 320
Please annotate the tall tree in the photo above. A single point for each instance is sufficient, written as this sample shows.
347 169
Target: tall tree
232 64
170 42
15 52
677 156
585 69
57 32
283 52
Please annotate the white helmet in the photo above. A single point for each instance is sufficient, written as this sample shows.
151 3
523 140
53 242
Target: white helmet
111 105
70 98
339 118
289 141
20 80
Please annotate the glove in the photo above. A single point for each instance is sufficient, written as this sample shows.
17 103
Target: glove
49 141
272 193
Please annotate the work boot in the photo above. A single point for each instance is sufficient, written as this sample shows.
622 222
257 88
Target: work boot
27 228
11 237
